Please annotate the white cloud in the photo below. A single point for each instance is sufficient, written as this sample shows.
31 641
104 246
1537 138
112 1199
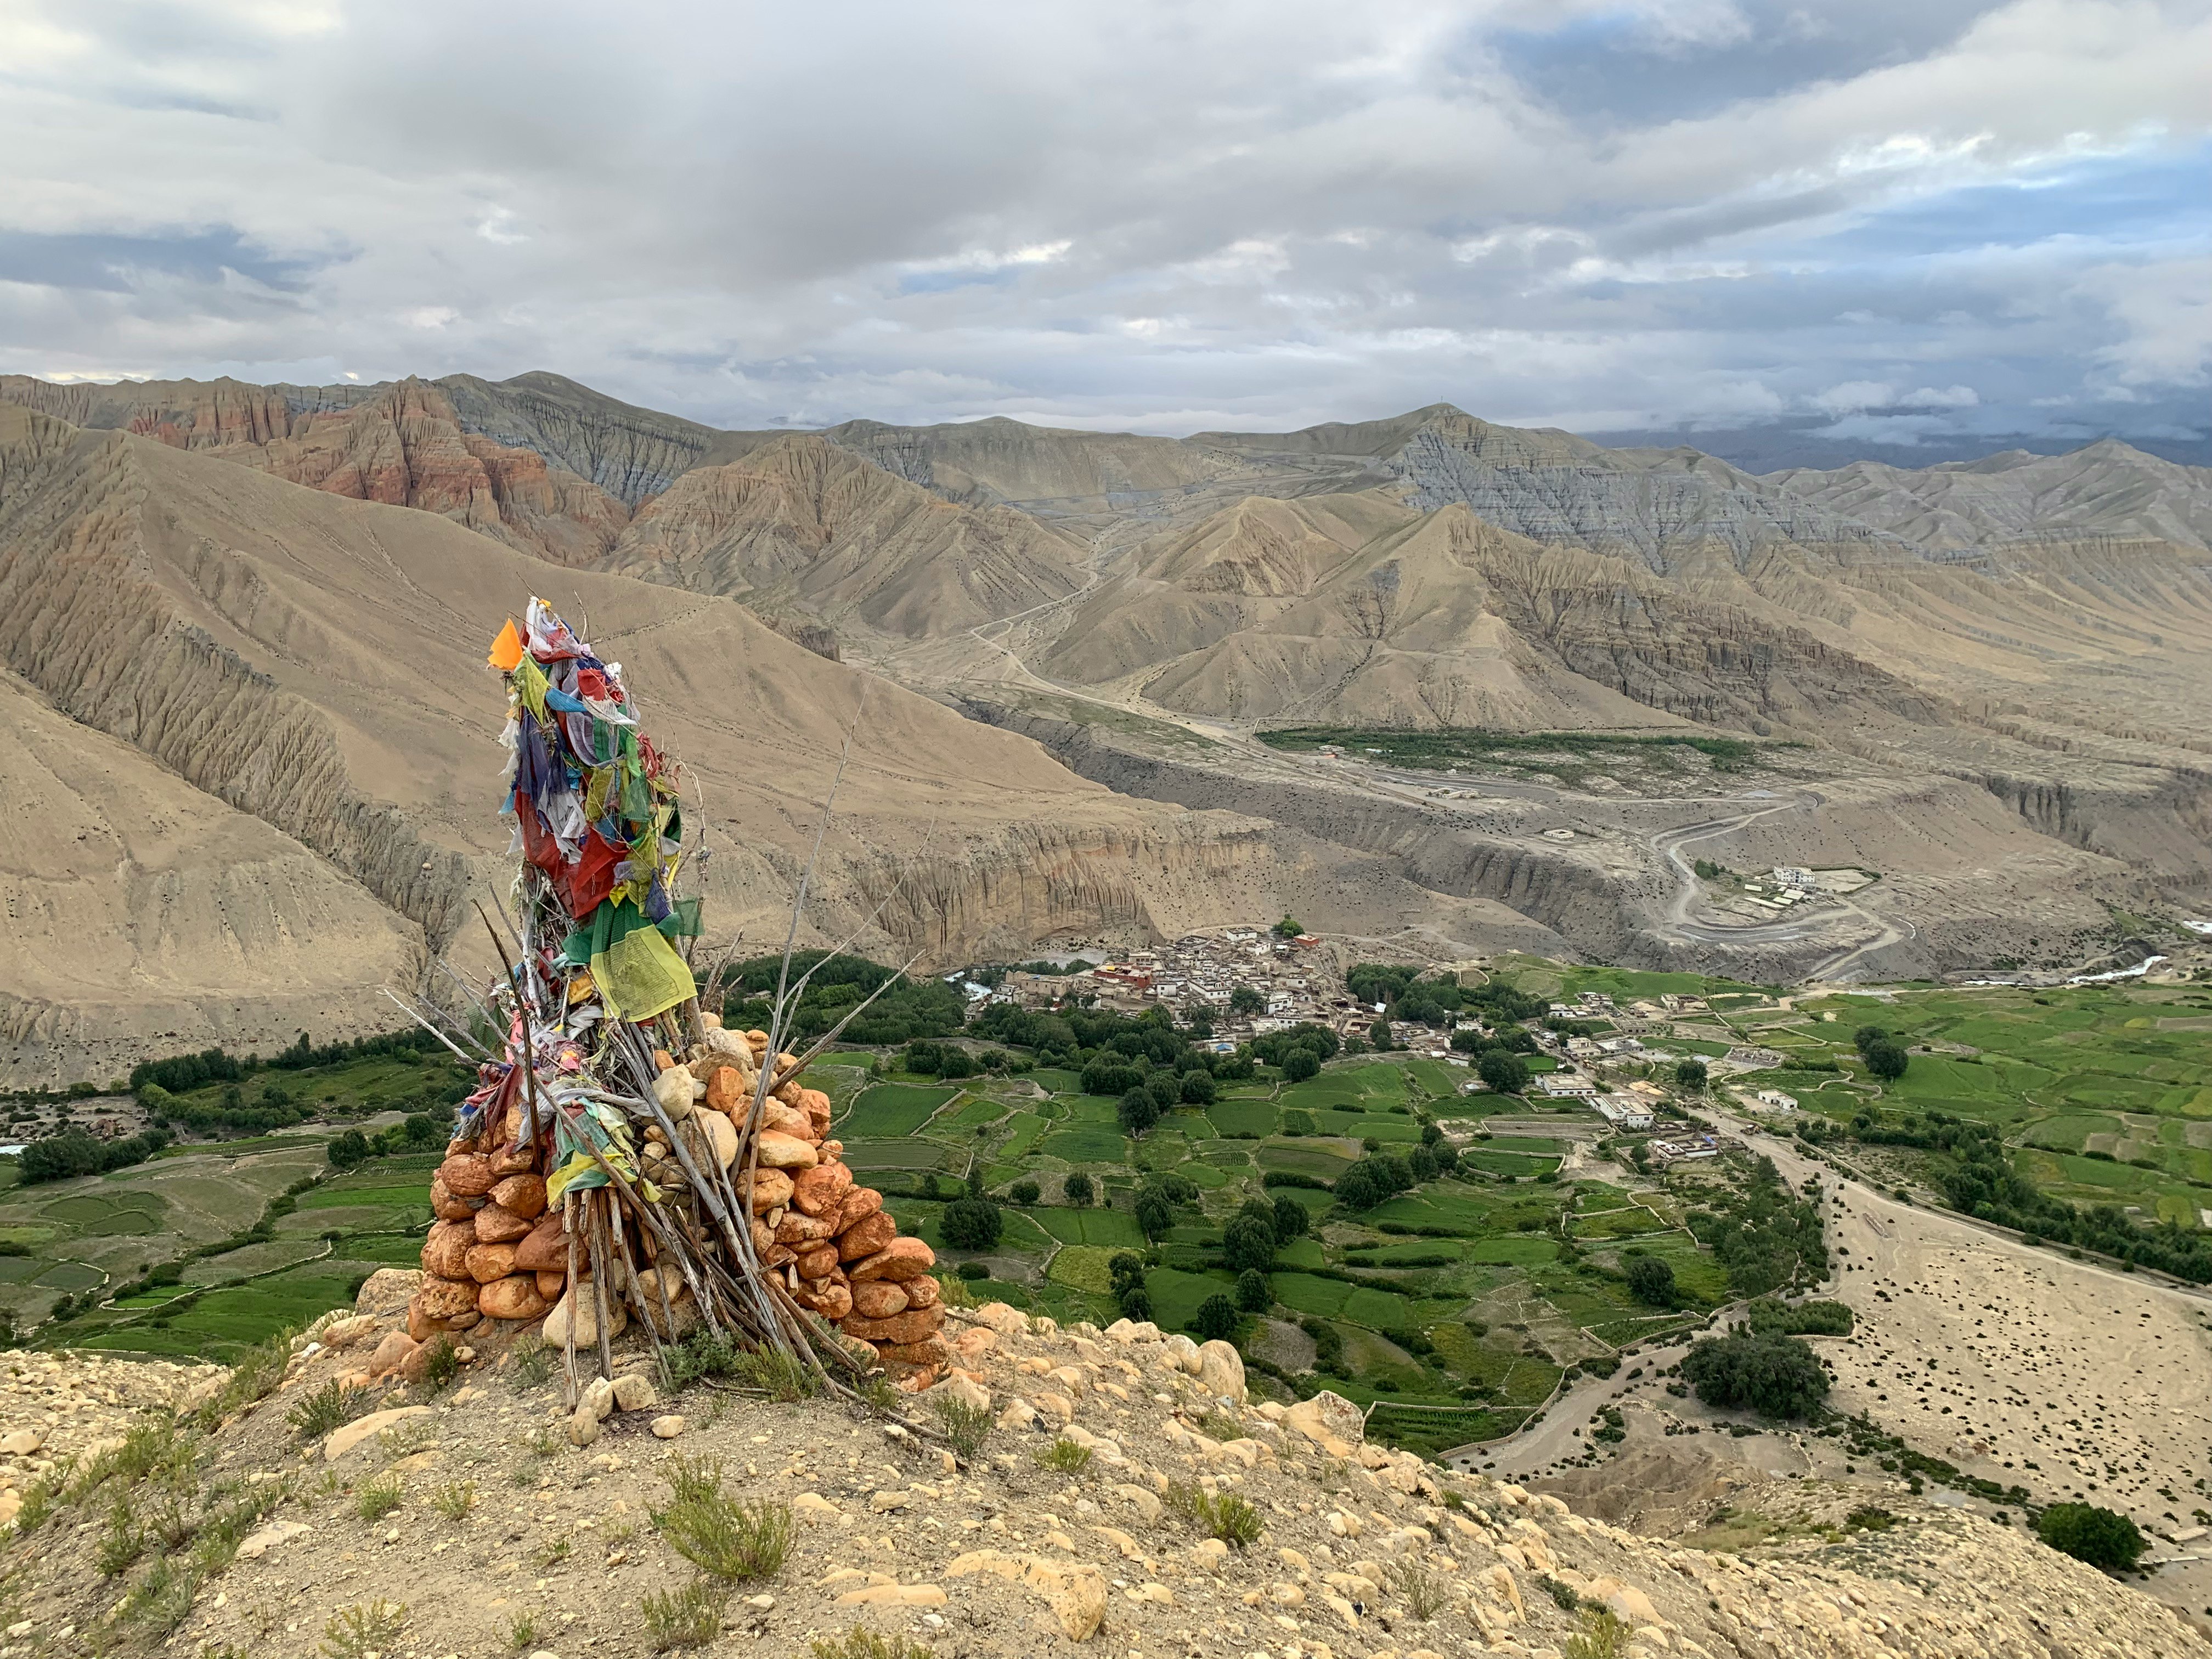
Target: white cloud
1243 213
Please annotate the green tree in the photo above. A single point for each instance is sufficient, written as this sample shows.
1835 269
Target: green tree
1289 927
1508 1073
1198 1088
1024 1191
1077 1186
1137 1111
971 1223
1690 1073
1253 1295
1299 1064
1292 1220
1773 1376
1886 1061
1379 1034
1246 1000
2102 1537
348 1148
1215 1320
1247 1243
1867 1036
1153 1216
1651 1280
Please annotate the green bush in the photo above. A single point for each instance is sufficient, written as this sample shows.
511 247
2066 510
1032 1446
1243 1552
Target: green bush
971 1223
2102 1537
1775 1376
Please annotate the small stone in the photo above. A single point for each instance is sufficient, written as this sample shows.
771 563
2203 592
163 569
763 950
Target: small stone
344 1440
634 1391
893 1595
583 1425
883 1502
667 1427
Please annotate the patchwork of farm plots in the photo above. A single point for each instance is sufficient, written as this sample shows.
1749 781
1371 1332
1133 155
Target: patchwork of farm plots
102 1232
1455 1306
2105 1092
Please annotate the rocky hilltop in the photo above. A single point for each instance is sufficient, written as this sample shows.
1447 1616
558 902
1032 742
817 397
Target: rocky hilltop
1061 1489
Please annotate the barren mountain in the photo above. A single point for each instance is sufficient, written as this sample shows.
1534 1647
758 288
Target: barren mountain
802 522
306 670
999 460
2106 490
2024 637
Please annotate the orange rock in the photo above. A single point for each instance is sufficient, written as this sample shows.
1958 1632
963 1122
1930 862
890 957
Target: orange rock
467 1175
513 1160
930 1351
786 1119
663 1061
551 1284
490 1261
445 1206
821 1190
515 1298
798 1227
728 1094
818 1262
879 1298
777 1255
916 1325
441 1298
860 1204
921 1292
771 1190
445 1250
391 1353
972 1344
779 1151
830 1299
763 1237
495 1225
546 1247
867 1237
901 1259
911 1379
521 1194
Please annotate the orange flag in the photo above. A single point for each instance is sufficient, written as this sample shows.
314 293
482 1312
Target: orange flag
506 649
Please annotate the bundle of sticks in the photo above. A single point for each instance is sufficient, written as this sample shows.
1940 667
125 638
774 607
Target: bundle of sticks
624 1157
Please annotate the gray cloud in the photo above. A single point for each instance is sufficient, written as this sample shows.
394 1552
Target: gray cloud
1147 214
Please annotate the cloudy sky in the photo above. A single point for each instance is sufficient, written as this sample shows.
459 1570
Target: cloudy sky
1880 221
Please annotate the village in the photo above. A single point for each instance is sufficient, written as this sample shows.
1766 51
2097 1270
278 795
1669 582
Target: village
1243 982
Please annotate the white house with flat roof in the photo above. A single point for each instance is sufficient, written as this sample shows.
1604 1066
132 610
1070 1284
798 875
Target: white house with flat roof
1623 1112
1777 1100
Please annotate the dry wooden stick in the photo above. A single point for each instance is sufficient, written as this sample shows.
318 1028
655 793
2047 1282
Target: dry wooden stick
574 1294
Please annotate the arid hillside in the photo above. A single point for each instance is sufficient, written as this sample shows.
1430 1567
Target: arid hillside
2019 647
291 686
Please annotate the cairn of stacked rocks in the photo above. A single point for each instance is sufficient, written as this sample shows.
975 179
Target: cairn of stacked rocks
625 1157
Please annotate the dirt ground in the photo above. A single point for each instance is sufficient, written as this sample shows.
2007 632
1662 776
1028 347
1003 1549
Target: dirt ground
2015 1363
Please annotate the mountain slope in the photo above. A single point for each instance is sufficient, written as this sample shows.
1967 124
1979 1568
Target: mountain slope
999 461
316 663
2107 489
801 521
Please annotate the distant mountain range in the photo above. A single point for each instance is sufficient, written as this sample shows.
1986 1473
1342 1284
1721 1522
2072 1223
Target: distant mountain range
264 599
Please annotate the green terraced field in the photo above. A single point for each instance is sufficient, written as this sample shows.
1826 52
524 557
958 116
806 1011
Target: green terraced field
1115 1227
891 1108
